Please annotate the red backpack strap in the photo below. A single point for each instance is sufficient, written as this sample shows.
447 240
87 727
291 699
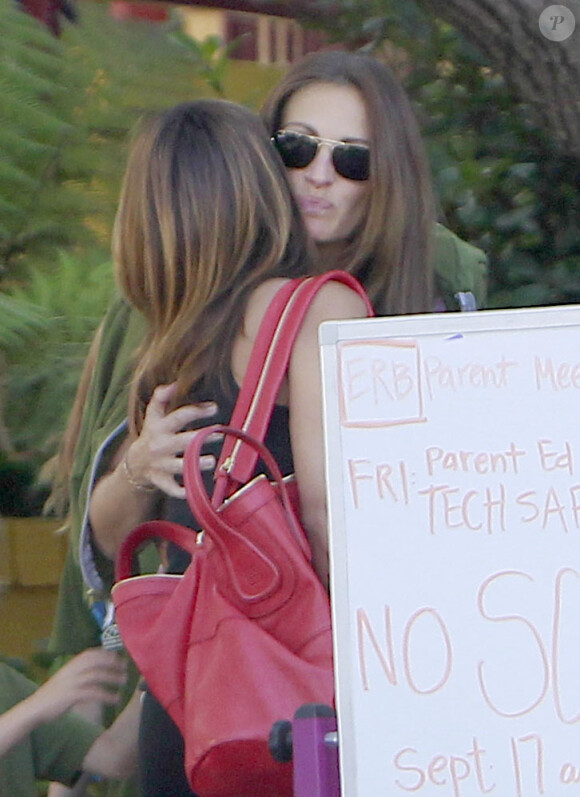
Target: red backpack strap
259 354
266 369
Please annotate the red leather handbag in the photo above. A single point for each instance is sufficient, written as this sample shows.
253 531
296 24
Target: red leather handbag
243 637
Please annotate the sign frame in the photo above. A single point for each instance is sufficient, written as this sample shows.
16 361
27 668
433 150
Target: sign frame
333 336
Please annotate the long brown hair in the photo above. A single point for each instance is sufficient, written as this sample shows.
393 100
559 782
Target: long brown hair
205 215
390 252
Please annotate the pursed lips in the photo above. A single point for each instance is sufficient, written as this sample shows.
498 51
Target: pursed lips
314 205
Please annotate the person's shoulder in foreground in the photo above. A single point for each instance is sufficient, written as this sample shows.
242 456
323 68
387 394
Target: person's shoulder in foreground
460 268
55 750
41 739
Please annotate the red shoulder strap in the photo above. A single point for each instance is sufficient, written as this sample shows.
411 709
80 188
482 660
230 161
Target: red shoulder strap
266 369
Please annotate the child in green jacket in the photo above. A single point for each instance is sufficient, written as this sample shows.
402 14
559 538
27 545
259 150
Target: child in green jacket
41 738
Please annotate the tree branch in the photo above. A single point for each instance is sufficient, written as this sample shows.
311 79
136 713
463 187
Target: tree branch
293 9
542 73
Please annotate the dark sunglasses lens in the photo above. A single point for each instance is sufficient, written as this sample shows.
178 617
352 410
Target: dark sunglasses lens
296 150
351 161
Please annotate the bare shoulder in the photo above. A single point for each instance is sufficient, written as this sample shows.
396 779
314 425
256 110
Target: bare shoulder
336 301
258 303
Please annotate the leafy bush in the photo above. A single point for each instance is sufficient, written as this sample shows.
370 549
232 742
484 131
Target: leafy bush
46 360
35 128
501 183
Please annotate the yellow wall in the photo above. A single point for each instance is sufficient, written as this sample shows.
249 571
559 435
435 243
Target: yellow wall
276 37
199 23
31 560
26 620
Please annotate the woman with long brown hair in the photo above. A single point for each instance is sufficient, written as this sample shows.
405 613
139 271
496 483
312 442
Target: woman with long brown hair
344 126
207 231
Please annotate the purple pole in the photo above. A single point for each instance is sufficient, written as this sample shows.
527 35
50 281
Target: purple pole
316 771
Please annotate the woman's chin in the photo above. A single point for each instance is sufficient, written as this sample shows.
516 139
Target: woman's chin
323 234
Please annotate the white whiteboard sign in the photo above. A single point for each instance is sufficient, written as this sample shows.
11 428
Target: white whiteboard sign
453 461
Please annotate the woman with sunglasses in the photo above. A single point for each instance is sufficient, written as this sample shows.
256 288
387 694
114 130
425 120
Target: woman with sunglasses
347 134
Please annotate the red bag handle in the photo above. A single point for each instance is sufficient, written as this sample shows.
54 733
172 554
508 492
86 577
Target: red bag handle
266 369
207 514
256 574
152 529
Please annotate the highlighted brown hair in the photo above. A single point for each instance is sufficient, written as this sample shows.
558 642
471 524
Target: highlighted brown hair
205 215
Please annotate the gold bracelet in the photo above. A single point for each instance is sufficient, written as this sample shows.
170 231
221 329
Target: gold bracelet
137 485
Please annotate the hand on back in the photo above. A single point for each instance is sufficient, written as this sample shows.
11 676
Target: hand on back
156 457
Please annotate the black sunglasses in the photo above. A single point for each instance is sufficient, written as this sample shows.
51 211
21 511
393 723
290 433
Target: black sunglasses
297 150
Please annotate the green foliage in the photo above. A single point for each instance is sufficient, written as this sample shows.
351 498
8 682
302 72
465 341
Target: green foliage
501 184
20 318
45 361
67 107
211 57
33 131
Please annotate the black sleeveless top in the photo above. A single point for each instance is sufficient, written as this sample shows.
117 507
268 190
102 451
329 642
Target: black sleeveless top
277 440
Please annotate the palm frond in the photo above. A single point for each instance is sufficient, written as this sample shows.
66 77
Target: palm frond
18 320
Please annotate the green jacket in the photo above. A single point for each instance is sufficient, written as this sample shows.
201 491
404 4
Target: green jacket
53 751
105 409
75 626
460 268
